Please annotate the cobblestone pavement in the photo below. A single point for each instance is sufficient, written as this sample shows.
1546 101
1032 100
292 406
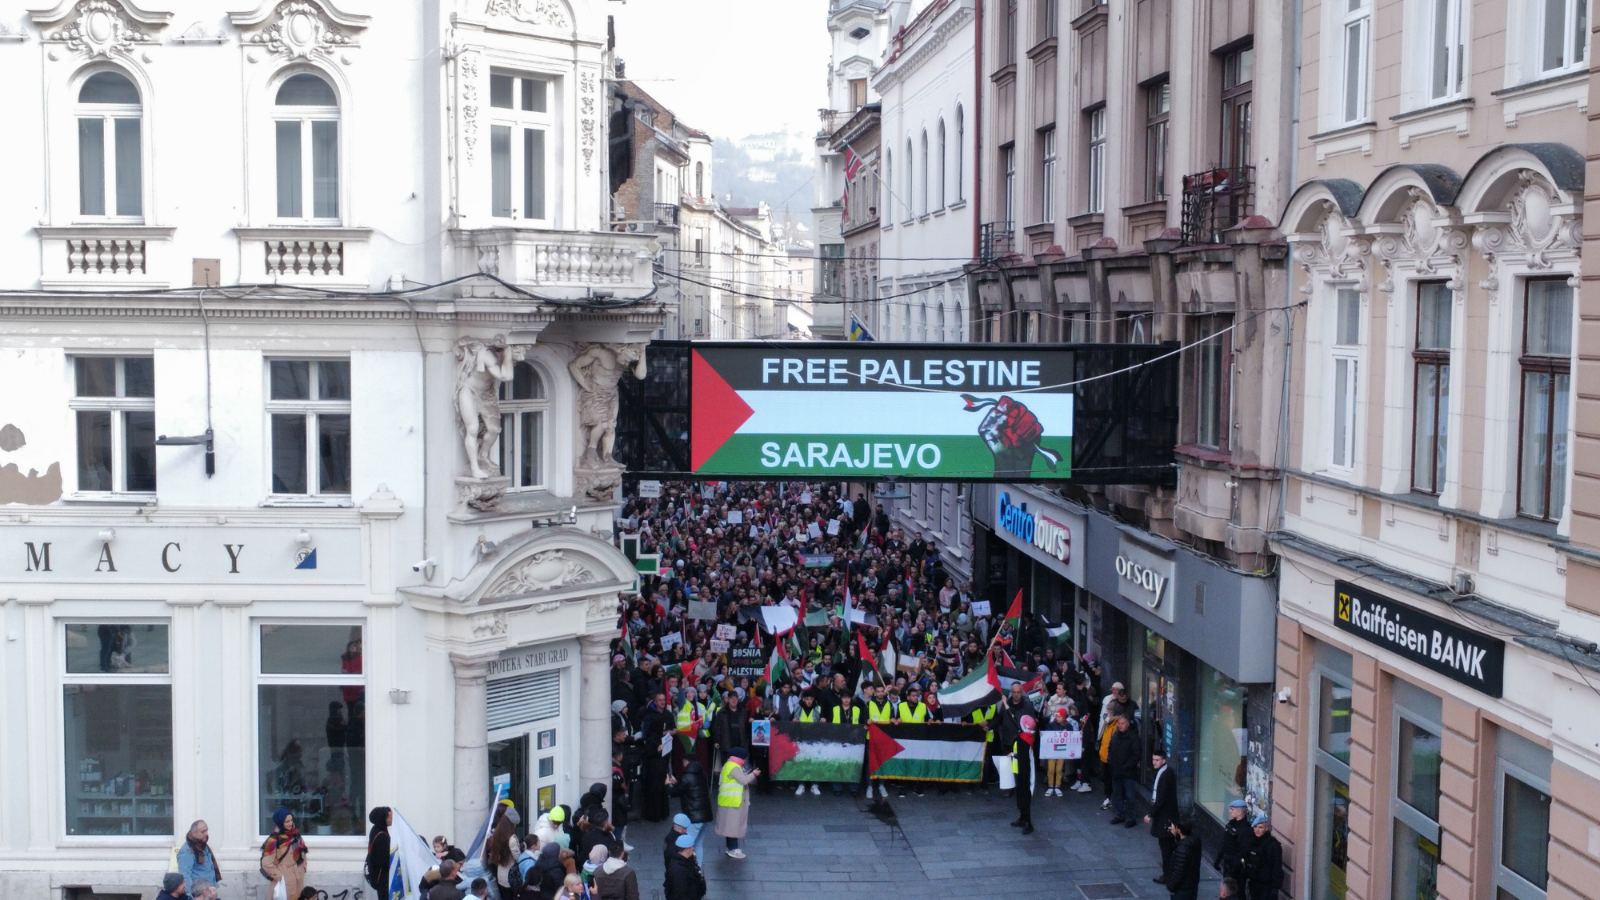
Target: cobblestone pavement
937 846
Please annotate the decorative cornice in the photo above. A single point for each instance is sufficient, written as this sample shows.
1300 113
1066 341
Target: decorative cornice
925 47
539 13
100 29
300 29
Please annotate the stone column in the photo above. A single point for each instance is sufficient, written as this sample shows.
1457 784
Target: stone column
471 746
594 711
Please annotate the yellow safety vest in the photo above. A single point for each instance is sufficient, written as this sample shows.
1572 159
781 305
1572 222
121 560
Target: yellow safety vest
982 716
1014 751
879 713
914 714
855 715
729 791
685 716
809 715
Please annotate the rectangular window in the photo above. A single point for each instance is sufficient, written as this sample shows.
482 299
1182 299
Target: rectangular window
1213 386
1546 389
1445 48
1563 34
316 140
519 163
1344 375
1008 50
1157 108
308 405
858 93
1048 17
1330 759
1220 759
110 175
1357 33
1047 175
1097 161
1430 409
1008 165
1238 86
117 729
311 723
114 403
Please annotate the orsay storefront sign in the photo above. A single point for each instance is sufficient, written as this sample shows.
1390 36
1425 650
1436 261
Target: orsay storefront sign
1458 653
1145 577
1048 532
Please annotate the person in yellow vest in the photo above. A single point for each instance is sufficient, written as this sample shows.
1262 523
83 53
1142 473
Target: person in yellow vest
733 800
985 716
809 712
880 711
846 713
912 711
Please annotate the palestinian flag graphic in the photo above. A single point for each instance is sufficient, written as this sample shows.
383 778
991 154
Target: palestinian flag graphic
877 411
816 751
929 752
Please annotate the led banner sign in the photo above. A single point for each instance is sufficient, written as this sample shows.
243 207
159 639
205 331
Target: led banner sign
876 410
1449 648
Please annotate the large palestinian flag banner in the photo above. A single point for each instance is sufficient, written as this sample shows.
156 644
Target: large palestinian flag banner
935 751
853 410
816 751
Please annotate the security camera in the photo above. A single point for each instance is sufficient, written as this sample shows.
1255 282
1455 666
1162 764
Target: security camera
425 566
1283 695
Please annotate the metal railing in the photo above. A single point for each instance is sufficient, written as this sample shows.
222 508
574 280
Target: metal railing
1216 200
666 213
995 240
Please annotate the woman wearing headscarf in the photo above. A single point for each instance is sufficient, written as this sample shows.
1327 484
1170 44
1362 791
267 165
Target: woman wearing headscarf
197 864
548 873
378 849
283 856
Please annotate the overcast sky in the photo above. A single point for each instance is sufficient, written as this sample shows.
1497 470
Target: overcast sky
729 67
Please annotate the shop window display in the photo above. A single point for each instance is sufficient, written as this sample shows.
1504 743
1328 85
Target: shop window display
117 729
1221 768
311 710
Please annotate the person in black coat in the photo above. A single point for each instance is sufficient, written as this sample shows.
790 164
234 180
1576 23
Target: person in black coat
377 868
1264 862
1236 840
1122 761
730 727
1163 808
656 721
684 879
1182 869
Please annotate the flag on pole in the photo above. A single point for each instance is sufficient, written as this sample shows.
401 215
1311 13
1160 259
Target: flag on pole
777 664
858 331
410 857
849 608
627 643
779 619
852 167
979 689
502 789
1057 633
1011 624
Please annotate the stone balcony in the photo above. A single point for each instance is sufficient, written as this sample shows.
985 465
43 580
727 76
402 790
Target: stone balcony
311 256
105 257
564 264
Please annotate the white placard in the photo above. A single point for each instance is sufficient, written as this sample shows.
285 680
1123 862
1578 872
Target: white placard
805 496
735 517
719 646
980 607
670 640
814 531
702 609
649 489
833 528
726 632
666 743
754 532
1061 745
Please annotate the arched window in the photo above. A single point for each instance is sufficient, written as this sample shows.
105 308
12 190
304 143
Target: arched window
110 160
888 184
925 196
306 119
700 180
961 148
910 197
944 172
523 405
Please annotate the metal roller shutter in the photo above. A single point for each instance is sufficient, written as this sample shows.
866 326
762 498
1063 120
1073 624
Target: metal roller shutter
524 698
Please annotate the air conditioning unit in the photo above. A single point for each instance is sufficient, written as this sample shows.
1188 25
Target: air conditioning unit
638 227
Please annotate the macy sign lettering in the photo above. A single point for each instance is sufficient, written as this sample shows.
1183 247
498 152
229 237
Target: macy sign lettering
1054 538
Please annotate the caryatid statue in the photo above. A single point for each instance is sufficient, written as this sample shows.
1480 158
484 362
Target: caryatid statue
597 369
481 366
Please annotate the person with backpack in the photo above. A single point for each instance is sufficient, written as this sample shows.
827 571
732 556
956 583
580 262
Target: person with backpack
547 875
283 855
377 865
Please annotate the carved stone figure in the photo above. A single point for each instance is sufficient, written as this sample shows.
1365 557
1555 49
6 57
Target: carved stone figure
597 369
480 368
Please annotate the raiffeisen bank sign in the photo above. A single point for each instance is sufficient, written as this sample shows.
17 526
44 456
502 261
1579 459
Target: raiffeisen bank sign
1046 531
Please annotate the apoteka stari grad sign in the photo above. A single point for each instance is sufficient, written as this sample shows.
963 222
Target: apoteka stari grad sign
851 410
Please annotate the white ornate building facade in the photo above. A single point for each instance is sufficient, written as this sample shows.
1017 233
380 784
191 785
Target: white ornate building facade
311 328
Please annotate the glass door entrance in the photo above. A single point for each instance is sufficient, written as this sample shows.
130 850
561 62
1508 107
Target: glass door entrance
509 756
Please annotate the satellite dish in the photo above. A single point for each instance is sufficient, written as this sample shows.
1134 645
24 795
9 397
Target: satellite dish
893 489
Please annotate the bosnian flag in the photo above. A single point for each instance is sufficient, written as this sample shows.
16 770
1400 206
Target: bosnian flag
980 688
410 857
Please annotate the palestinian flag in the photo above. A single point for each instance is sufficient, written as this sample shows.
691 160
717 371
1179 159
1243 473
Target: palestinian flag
1032 680
816 751
1012 623
980 688
777 665
928 752
626 647
1056 633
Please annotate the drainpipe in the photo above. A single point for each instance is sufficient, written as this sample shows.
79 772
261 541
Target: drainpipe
977 132
1288 274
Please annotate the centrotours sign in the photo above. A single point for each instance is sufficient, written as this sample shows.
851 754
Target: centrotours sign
1044 530
830 410
1461 654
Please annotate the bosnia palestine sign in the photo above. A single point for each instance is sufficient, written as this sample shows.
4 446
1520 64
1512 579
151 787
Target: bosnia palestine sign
855 410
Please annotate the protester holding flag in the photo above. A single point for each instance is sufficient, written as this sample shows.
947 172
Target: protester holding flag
377 864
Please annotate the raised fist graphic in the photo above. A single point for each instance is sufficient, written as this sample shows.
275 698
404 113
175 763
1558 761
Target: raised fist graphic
1013 433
